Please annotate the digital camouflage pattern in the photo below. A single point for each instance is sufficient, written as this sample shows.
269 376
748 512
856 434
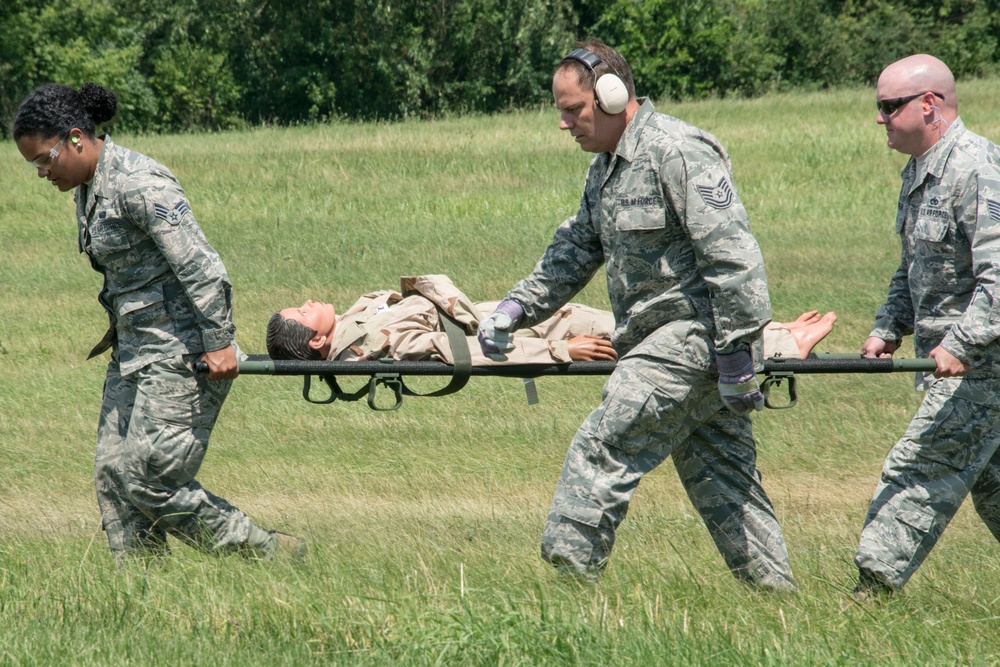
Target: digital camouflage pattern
948 450
152 437
945 292
165 288
651 411
169 299
946 289
685 279
664 217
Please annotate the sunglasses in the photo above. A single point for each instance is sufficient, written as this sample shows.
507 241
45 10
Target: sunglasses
889 107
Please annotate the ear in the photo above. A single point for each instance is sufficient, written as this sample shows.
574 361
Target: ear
317 342
930 103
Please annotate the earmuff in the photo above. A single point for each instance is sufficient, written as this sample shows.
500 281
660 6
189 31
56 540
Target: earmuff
609 89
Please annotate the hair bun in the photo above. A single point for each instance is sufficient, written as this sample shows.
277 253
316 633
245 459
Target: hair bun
99 102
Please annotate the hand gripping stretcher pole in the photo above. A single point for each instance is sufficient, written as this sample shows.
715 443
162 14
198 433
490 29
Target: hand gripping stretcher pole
389 373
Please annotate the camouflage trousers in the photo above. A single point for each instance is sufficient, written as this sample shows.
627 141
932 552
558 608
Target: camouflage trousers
948 451
151 439
652 409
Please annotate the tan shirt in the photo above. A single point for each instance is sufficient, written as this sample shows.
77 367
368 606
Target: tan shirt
406 325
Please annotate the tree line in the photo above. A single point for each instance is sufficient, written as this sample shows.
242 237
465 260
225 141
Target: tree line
195 65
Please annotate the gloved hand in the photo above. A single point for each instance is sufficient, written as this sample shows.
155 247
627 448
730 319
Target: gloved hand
496 332
738 382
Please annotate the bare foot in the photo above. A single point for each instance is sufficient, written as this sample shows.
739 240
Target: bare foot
807 335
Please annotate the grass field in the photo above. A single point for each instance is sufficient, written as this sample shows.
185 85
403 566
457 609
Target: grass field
425 522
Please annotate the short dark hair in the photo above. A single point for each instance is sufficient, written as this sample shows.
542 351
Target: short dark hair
52 110
612 63
289 339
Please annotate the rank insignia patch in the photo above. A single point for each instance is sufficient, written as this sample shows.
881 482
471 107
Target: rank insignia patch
994 209
720 196
172 216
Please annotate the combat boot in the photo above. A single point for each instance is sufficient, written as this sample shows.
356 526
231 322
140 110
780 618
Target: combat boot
284 547
870 591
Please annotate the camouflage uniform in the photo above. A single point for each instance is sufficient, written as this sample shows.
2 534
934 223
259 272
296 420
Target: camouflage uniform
685 279
945 293
169 299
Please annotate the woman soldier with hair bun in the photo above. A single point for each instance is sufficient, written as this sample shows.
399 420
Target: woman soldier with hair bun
169 301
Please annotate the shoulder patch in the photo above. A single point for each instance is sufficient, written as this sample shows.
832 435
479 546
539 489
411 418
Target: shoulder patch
719 196
172 216
993 208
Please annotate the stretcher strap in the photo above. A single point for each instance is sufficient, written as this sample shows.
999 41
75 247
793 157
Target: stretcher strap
461 355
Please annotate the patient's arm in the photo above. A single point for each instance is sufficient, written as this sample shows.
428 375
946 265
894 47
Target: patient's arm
591 348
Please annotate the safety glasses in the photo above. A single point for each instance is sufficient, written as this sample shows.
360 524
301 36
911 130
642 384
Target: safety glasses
46 160
889 107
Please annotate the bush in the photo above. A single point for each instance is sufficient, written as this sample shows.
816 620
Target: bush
695 48
212 64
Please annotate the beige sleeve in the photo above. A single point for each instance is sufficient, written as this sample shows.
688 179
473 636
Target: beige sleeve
413 334
416 345
779 342
441 291
572 320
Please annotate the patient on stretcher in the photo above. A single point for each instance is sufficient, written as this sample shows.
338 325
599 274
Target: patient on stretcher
407 325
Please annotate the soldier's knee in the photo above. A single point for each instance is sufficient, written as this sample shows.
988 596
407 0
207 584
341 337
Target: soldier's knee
141 497
108 476
144 495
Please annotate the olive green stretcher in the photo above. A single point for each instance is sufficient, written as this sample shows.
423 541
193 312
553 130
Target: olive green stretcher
388 374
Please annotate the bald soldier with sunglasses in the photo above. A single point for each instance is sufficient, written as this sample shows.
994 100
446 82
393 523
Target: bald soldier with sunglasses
945 293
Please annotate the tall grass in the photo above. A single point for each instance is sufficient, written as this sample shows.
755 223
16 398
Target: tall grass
425 522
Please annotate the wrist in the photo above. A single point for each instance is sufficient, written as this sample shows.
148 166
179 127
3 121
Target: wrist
511 309
739 362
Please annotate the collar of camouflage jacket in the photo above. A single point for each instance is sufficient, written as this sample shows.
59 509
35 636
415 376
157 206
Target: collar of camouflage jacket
98 184
628 145
937 156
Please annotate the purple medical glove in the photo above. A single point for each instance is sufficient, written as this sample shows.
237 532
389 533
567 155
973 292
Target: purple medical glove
496 332
738 382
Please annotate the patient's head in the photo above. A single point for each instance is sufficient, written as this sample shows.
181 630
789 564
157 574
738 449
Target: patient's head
301 333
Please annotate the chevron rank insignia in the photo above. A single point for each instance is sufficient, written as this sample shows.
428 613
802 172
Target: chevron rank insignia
994 209
173 216
720 196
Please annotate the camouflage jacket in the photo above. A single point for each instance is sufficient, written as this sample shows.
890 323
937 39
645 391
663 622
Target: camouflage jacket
663 216
945 290
165 288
